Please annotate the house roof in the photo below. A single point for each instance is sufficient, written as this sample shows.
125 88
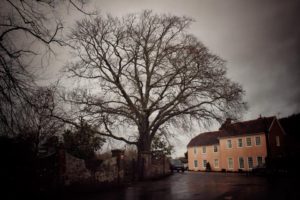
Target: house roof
232 129
208 138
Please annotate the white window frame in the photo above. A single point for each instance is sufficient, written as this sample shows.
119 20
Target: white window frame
196 161
252 162
229 140
216 166
204 148
195 151
240 163
262 159
277 141
216 147
250 142
204 165
259 141
229 163
239 143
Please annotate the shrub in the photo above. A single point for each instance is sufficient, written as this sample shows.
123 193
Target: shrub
208 167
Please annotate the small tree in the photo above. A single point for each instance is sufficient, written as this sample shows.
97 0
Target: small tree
83 142
161 147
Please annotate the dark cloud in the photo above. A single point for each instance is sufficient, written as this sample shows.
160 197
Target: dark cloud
274 57
261 42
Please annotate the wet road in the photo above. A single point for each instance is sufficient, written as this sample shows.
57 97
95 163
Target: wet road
200 185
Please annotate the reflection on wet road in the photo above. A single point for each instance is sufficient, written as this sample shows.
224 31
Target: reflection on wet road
201 185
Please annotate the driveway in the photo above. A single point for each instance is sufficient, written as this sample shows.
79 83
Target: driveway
201 185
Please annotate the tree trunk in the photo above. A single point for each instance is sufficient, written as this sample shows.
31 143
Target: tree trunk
143 147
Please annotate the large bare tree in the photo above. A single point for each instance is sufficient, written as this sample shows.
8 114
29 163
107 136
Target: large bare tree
146 73
29 29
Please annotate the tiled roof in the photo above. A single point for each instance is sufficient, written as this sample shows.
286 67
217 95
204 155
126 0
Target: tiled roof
208 138
232 129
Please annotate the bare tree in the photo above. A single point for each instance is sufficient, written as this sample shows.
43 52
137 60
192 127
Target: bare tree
28 30
36 122
146 73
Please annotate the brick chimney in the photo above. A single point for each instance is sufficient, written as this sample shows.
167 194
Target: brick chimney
226 123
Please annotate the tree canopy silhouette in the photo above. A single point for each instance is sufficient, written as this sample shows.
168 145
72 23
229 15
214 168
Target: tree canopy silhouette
146 73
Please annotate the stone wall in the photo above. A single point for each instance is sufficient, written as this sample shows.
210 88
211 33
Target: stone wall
112 170
75 170
109 171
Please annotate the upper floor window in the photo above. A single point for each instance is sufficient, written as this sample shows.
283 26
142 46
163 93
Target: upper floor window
277 141
204 149
195 150
248 141
229 144
257 140
215 148
240 142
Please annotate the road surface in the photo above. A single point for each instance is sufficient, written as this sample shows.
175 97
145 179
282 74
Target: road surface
202 185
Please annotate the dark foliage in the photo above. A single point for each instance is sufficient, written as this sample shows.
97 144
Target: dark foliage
208 167
83 141
17 169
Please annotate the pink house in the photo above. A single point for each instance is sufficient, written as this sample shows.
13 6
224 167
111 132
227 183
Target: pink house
237 146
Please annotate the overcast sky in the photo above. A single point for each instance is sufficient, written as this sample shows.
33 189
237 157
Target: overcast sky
260 40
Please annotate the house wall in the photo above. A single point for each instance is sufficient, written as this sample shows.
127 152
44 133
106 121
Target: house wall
235 152
209 156
276 131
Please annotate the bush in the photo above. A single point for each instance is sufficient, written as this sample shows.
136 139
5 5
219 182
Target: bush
208 167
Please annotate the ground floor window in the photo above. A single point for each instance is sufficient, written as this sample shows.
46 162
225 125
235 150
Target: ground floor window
230 163
204 163
241 163
250 162
216 163
196 163
259 160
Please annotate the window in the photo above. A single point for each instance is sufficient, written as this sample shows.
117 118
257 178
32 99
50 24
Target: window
277 141
196 163
250 162
195 150
241 163
204 163
230 163
229 144
204 149
259 160
240 142
248 141
215 148
216 163
257 140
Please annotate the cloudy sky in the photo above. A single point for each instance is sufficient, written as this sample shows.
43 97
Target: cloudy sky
260 40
